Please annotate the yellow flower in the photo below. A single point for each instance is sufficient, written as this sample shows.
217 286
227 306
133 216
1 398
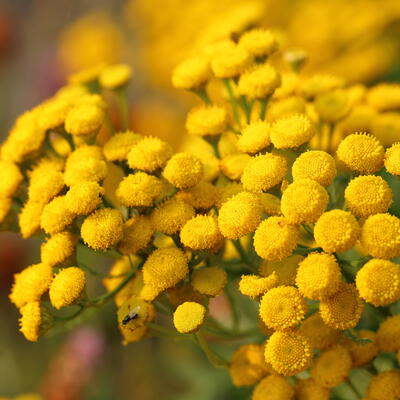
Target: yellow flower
343 309
384 385
10 178
30 321
304 201
336 231
247 366
288 353
102 229
189 317
45 185
320 335
284 107
233 165
202 196
392 159
255 286
149 154
58 248
240 215
86 163
207 120
83 198
201 232
282 308
54 112
259 42
275 239
361 152
388 334
230 62
380 236
137 233
362 353
84 119
164 268
254 137
29 218
30 284
119 145
286 269
209 281
331 367
271 204
333 106
315 164
139 190
191 73
308 389
56 216
67 287
5 207
258 82
318 276
384 97
291 131
263 172
318 84
181 294
368 195
115 76
183 170
273 387
378 282
386 127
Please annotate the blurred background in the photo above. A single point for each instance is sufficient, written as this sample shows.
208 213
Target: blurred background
41 43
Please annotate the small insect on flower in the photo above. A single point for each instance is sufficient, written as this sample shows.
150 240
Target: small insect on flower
133 314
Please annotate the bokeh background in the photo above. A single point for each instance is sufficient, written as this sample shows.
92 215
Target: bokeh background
41 43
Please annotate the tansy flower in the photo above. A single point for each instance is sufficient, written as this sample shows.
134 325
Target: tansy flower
56 216
304 201
83 198
53 112
320 335
255 286
392 159
45 185
332 366
284 107
285 270
378 282
171 216
259 42
31 320
233 165
201 232
202 196
343 309
139 190
29 218
384 97
282 308
207 120
230 62
254 137
209 281
317 165
102 229
137 233
58 248
115 76
291 131
189 317
164 268
362 353
308 389
30 284
368 195
191 73
5 207
181 294
240 215
183 170
336 231
92 98
10 178
67 287
271 204
149 154
84 119
386 127
318 84
333 106
258 82
361 153
119 145
318 276
275 239
247 366
288 353
263 172
384 385
86 75
380 236
227 191
273 387
388 334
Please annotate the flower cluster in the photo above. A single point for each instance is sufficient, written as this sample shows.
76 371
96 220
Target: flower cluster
276 200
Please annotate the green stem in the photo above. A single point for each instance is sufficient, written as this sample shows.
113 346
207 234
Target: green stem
215 359
234 309
263 108
354 389
232 100
201 92
243 255
166 331
247 108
